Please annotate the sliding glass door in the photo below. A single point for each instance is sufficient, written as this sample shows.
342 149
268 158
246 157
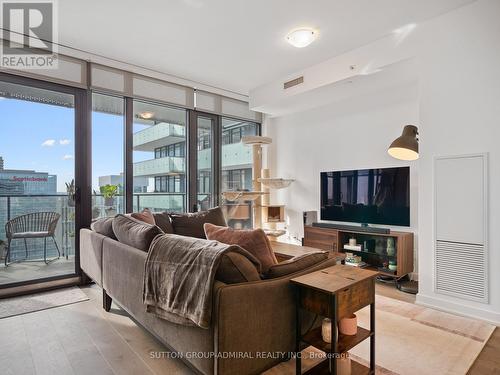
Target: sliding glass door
39 194
203 160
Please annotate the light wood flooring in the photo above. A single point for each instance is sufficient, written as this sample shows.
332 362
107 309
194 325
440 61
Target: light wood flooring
83 339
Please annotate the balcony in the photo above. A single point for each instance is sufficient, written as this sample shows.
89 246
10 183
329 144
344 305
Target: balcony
158 135
24 267
234 156
160 167
29 265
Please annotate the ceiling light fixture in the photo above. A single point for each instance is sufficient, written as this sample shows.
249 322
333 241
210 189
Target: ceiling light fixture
301 37
146 115
406 146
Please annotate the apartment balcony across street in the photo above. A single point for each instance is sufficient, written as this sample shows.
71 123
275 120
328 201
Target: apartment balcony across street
158 135
161 166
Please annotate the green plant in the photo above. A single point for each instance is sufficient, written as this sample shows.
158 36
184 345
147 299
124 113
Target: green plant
109 191
70 189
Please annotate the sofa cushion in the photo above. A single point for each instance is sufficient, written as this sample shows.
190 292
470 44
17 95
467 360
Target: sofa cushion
254 241
162 220
145 215
104 226
296 264
191 224
237 268
134 232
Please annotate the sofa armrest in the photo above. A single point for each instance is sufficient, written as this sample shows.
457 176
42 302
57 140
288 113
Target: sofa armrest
91 254
257 318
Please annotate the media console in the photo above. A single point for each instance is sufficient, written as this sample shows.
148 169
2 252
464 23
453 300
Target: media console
378 249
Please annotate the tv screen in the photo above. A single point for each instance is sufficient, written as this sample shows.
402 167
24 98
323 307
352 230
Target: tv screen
367 196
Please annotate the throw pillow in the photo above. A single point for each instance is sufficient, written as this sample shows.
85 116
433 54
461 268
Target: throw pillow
296 264
162 220
254 241
238 268
191 224
145 215
104 226
134 232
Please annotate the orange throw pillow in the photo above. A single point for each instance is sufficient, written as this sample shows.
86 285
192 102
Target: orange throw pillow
254 241
145 215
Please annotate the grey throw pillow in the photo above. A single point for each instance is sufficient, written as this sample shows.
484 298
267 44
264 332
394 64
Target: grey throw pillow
191 224
104 226
134 232
296 264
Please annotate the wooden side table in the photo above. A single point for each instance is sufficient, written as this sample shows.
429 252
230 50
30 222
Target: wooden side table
335 292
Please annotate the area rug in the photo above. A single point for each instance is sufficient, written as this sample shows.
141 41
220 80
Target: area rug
40 301
412 339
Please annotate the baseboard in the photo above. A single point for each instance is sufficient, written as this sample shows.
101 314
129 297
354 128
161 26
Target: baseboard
458 309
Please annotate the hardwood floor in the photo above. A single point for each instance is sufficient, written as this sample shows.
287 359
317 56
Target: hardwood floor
83 339
80 339
488 361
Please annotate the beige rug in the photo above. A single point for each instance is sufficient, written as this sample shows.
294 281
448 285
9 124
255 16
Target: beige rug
40 301
411 339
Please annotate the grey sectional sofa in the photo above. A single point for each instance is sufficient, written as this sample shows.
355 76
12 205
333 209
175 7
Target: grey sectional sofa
251 321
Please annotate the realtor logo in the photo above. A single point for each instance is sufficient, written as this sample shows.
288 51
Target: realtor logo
29 34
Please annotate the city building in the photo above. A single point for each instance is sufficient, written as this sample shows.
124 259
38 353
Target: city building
26 182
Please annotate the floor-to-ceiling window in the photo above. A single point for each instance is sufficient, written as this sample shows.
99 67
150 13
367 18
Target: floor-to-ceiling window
38 192
159 157
236 165
108 178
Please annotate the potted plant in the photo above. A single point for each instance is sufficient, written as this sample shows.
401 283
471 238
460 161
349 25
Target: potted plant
71 192
108 192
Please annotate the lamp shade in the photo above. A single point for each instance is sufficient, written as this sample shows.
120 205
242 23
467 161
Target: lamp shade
406 146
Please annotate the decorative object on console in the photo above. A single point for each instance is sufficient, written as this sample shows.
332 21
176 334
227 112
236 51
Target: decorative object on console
326 330
393 265
349 326
405 147
391 249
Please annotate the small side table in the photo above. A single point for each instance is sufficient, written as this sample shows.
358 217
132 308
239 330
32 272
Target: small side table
335 292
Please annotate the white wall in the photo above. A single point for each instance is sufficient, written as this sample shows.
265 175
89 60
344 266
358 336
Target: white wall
460 114
350 134
457 108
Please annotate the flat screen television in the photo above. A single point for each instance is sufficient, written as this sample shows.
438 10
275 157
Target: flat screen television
367 196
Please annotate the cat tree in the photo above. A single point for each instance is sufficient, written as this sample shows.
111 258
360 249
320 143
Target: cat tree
269 217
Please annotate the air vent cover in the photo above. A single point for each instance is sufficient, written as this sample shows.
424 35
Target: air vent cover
460 269
293 82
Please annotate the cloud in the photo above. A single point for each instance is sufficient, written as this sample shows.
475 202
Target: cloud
64 142
67 157
49 143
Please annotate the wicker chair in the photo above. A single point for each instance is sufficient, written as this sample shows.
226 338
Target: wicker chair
34 225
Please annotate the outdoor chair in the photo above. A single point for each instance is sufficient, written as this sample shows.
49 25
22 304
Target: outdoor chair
34 225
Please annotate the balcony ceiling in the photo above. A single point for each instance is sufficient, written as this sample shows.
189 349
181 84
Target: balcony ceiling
232 44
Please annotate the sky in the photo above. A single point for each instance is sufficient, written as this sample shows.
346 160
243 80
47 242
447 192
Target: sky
40 137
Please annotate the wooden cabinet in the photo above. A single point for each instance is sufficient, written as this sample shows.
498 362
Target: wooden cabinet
335 239
321 238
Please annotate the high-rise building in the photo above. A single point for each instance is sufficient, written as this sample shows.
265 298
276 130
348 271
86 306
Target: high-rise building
26 182
1 163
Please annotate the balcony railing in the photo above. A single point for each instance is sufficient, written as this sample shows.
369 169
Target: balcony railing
160 167
12 206
158 135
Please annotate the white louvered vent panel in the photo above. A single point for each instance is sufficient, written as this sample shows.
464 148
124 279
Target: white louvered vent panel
461 269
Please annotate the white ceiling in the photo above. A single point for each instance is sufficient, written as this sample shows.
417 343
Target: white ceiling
232 44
